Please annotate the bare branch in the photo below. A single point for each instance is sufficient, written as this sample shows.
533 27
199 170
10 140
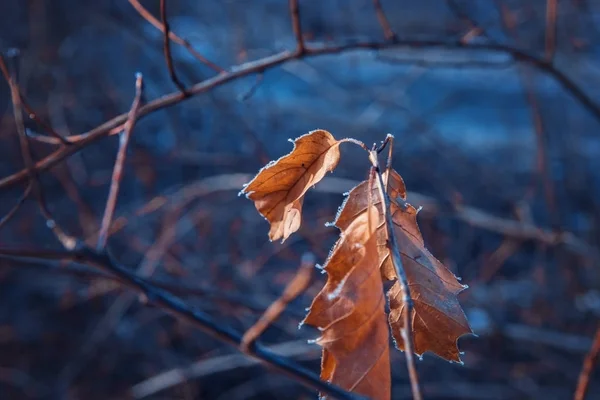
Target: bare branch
30 112
297 27
67 241
392 244
111 203
16 207
551 29
293 289
173 377
588 366
263 64
388 33
175 306
182 42
167 48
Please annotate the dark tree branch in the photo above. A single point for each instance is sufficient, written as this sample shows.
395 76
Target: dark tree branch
588 367
297 27
16 207
388 32
111 203
275 60
30 112
175 306
167 48
30 168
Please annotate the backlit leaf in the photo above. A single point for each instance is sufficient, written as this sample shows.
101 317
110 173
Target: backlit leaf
278 189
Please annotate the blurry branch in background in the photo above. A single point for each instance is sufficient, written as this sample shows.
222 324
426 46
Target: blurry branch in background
167 48
117 174
30 112
388 33
588 366
32 173
182 42
542 162
551 28
164 380
266 63
408 313
296 286
177 307
11 213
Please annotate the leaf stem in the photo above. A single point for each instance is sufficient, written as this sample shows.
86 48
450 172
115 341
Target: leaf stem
406 330
356 142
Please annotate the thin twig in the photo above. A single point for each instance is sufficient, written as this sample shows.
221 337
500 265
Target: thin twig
167 48
542 162
177 307
392 244
388 32
173 377
111 203
30 112
195 289
519 230
16 207
259 78
588 367
269 62
293 289
67 241
297 27
551 29
474 28
182 42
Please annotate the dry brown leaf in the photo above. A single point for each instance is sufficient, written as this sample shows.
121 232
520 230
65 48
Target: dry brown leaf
278 189
438 319
350 312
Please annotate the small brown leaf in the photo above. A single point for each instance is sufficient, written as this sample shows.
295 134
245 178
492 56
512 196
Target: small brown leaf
350 312
438 319
278 189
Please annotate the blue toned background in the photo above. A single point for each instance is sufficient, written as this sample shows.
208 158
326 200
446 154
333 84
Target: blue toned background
498 140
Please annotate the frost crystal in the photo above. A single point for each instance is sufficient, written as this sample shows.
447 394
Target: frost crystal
337 291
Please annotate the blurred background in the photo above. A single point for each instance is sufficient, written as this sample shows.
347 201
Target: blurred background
497 133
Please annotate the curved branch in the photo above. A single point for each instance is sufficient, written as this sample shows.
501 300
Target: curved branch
275 60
